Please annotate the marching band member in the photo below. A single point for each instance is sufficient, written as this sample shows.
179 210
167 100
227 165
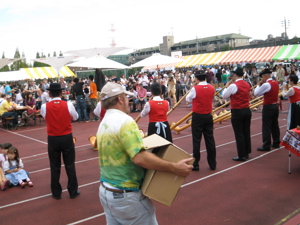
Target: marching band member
239 92
269 88
294 95
201 96
157 110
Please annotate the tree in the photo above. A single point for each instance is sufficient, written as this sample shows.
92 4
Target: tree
39 64
60 54
6 67
54 54
16 65
226 48
23 61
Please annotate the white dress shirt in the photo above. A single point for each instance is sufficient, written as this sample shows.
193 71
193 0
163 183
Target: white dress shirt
97 110
261 90
71 109
147 107
192 94
230 90
290 92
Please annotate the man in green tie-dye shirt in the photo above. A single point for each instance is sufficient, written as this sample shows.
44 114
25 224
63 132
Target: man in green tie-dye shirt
122 159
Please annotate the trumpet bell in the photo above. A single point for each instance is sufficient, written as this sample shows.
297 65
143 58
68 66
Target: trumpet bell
189 121
93 141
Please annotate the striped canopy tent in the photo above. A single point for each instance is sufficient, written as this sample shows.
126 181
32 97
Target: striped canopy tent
166 66
202 59
288 52
46 72
250 55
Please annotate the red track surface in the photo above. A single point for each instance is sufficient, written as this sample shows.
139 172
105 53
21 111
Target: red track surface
257 192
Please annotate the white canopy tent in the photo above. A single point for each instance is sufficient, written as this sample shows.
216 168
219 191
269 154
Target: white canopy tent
156 59
56 62
6 61
98 62
13 76
96 51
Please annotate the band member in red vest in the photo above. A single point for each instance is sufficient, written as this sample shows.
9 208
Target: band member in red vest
201 97
269 88
157 109
239 92
294 95
58 115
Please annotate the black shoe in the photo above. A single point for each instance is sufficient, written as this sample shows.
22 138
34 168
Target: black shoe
195 168
263 149
247 157
242 159
275 146
213 166
56 197
74 196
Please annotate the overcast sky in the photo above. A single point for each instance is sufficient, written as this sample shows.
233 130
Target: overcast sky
62 25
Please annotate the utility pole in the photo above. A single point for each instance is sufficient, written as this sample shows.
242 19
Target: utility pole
197 43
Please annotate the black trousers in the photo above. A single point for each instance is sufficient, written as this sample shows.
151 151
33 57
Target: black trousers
270 125
294 116
57 146
241 122
203 124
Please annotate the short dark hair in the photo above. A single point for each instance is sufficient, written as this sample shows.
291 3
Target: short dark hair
76 80
294 78
6 145
155 88
55 93
91 77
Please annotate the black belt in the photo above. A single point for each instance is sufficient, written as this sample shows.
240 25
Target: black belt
115 190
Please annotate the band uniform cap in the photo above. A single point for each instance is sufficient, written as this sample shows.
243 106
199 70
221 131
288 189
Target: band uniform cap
265 71
8 96
55 87
238 71
112 89
200 74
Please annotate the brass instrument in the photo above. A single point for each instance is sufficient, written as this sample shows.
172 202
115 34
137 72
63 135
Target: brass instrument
93 141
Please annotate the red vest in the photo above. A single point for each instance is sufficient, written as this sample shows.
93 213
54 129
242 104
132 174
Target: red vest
102 113
296 97
240 100
58 118
158 111
271 97
202 104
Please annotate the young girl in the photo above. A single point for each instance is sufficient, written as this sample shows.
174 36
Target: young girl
14 171
4 183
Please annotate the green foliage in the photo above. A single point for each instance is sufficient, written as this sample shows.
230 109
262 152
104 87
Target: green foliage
54 54
61 54
16 65
226 48
39 64
5 68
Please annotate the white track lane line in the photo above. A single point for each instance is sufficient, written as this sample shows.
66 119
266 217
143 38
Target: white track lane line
187 184
190 183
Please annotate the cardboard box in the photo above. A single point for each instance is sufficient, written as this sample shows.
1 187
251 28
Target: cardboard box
158 185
